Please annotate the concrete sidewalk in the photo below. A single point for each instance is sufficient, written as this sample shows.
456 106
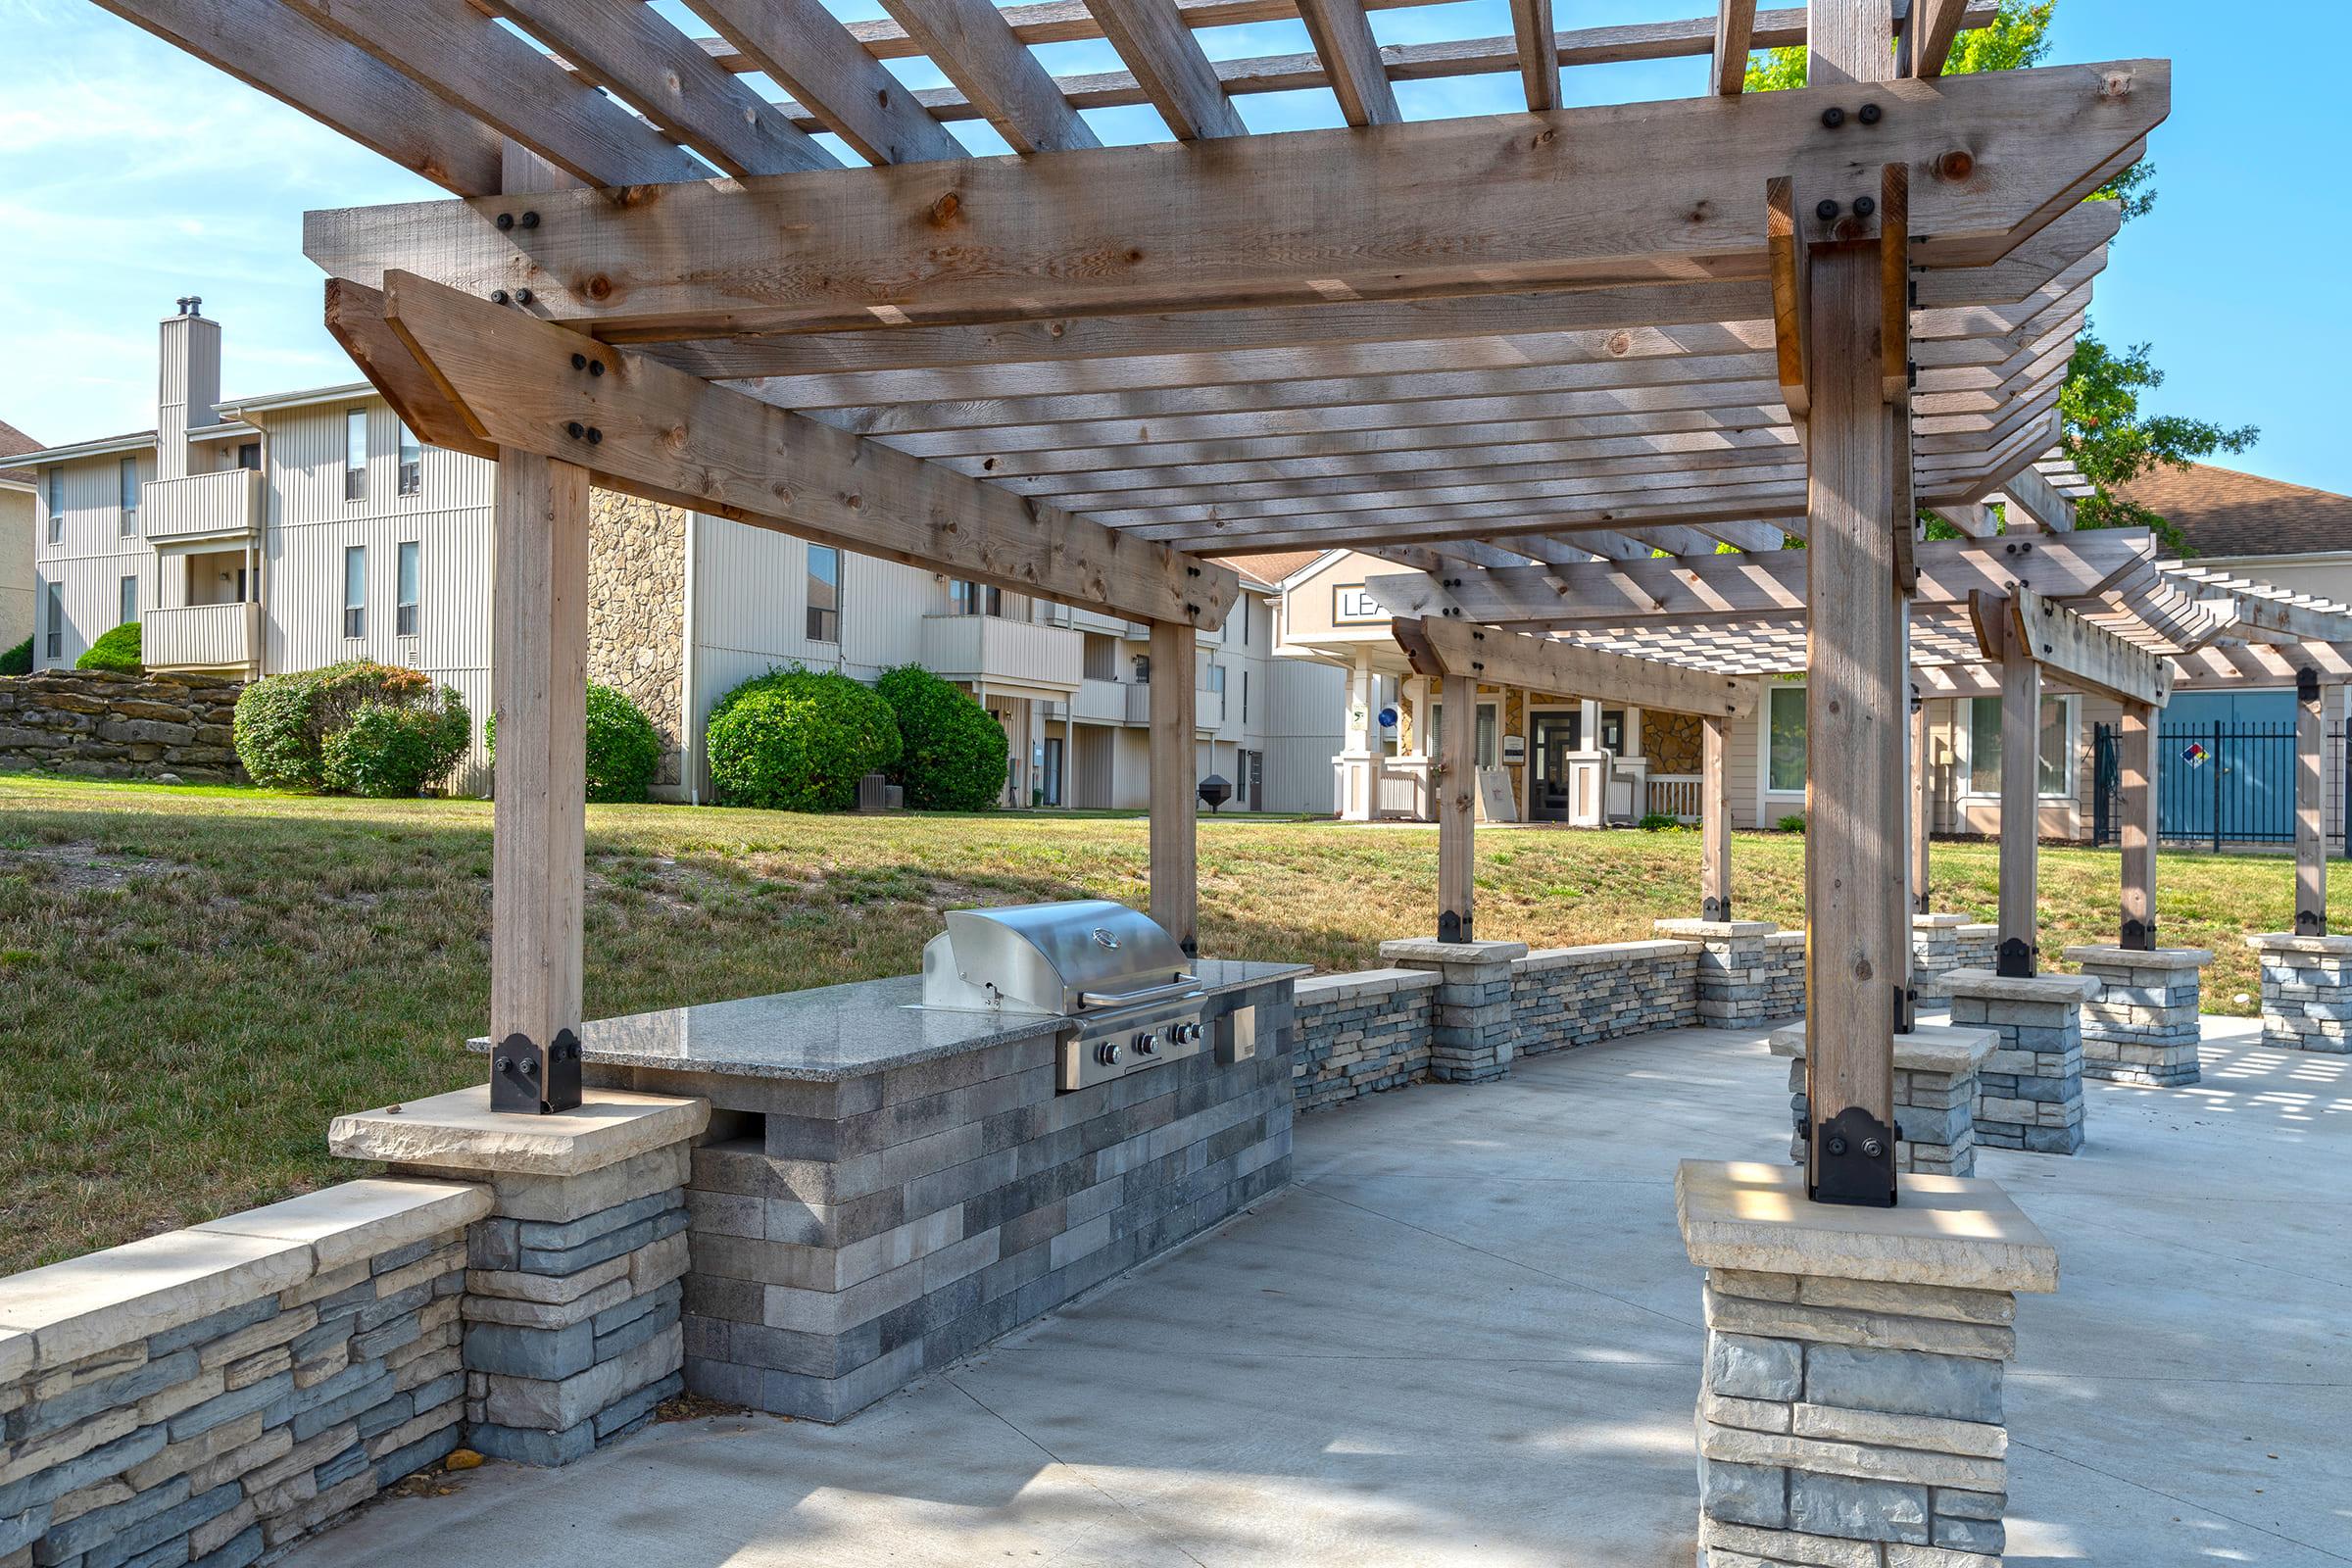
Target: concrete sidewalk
1469 1335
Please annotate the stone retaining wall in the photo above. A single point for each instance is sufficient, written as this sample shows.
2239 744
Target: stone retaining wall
100 723
210 1395
1562 998
1358 1034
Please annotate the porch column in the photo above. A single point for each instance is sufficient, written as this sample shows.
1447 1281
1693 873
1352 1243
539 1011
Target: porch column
1715 823
1175 802
539 687
1069 752
2021 805
1858 950
2311 795
1923 807
1457 794
2136 776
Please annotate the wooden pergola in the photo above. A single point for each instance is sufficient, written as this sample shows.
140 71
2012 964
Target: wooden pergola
1524 342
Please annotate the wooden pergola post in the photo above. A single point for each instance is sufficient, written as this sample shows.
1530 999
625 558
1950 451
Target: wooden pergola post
2021 805
1457 807
2136 778
1175 783
1715 821
2311 846
1923 808
539 685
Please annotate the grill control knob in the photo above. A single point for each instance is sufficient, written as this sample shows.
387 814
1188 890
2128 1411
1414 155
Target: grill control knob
1146 1044
1107 1053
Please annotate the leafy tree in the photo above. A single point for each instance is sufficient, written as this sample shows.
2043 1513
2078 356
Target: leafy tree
2101 428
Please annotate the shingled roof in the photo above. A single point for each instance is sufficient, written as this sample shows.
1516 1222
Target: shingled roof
13 443
2224 513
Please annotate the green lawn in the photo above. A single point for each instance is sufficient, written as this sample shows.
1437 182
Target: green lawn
196 979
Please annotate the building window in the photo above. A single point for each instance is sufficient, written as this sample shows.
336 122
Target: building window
249 454
411 461
1245 697
2055 751
355 591
825 594
404 608
57 505
1482 745
1216 682
129 588
54 644
355 456
127 473
1787 741
1245 609
977 599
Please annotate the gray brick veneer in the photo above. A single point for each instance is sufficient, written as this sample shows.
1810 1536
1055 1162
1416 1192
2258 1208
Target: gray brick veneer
1472 1029
1567 997
1936 1088
2030 1090
1360 1033
1750 971
2306 992
2142 1027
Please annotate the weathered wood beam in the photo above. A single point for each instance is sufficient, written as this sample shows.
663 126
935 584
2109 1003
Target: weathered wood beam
1359 79
1934 27
1715 819
2020 950
1787 258
631 48
1499 658
1734 32
1456 791
2076 652
2313 701
1171 67
657 432
1921 880
803 47
1389 215
2036 497
2136 769
291 57
973 43
1538 55
1175 804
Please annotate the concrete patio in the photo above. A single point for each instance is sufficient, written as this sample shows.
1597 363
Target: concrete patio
1469 1334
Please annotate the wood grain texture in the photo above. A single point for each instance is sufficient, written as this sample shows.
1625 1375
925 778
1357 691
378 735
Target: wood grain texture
1456 787
1175 804
1923 813
973 43
2085 655
1734 40
1715 819
1439 648
1444 206
673 437
803 46
1535 42
2135 770
2311 800
1359 79
1931 30
2021 790
1170 66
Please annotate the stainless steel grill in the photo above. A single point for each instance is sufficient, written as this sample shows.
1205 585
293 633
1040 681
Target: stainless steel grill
1115 975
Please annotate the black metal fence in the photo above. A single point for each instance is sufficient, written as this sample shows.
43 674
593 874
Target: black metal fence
2217 784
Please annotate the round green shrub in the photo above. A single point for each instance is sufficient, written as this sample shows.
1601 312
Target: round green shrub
114 650
390 751
18 661
285 722
798 740
951 755
624 750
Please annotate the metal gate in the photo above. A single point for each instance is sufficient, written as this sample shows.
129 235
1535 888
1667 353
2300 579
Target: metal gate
2216 784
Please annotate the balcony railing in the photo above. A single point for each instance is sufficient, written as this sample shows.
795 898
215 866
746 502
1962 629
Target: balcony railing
1100 702
226 504
992 650
201 636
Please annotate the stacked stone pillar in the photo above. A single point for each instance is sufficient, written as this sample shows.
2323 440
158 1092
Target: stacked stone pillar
1473 1025
2031 1086
1735 971
1850 1404
571 1307
2143 1026
2306 992
1934 953
1936 1092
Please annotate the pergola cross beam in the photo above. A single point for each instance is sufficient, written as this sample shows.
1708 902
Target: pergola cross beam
2074 652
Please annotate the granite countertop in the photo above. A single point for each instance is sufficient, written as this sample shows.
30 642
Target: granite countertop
832 1033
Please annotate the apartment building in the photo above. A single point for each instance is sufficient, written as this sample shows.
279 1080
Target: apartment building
283 532
17 519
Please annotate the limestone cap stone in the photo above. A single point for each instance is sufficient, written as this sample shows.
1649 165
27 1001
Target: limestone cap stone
1945 1048
1985 983
1963 1233
355 1220
1715 928
460 1132
1937 922
1429 950
2142 957
2288 942
121 1296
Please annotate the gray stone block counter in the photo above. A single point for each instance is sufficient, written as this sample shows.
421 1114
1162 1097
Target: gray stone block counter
884 1187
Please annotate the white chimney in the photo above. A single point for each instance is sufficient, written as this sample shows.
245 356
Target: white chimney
187 385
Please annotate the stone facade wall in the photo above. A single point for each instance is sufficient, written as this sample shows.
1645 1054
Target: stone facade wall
637 610
1358 1034
1784 975
1472 1029
1979 945
106 724
1562 998
2142 1027
1849 1421
211 1395
1751 972
2030 1088
2306 993
1936 1088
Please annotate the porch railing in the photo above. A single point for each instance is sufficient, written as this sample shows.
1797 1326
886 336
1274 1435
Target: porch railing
1675 795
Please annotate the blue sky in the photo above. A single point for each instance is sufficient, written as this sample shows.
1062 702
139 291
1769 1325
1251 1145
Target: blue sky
132 175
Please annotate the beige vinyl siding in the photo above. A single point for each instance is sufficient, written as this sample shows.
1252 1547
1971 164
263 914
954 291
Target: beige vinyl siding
92 556
20 513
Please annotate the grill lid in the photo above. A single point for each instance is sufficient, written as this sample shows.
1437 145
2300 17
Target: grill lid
1050 958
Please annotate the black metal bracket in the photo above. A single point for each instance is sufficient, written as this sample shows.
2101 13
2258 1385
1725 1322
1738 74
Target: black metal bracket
1452 927
1854 1160
529 1081
2016 959
1716 911
2310 923
2307 685
1906 1009
2140 936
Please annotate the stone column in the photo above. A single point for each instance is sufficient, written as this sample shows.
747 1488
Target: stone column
2031 1085
1850 1400
572 1286
2143 1028
1734 979
1473 1028
1935 1096
1935 953
2306 992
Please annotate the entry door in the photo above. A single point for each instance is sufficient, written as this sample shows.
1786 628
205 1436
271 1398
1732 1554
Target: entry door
1555 737
1053 778
1253 783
